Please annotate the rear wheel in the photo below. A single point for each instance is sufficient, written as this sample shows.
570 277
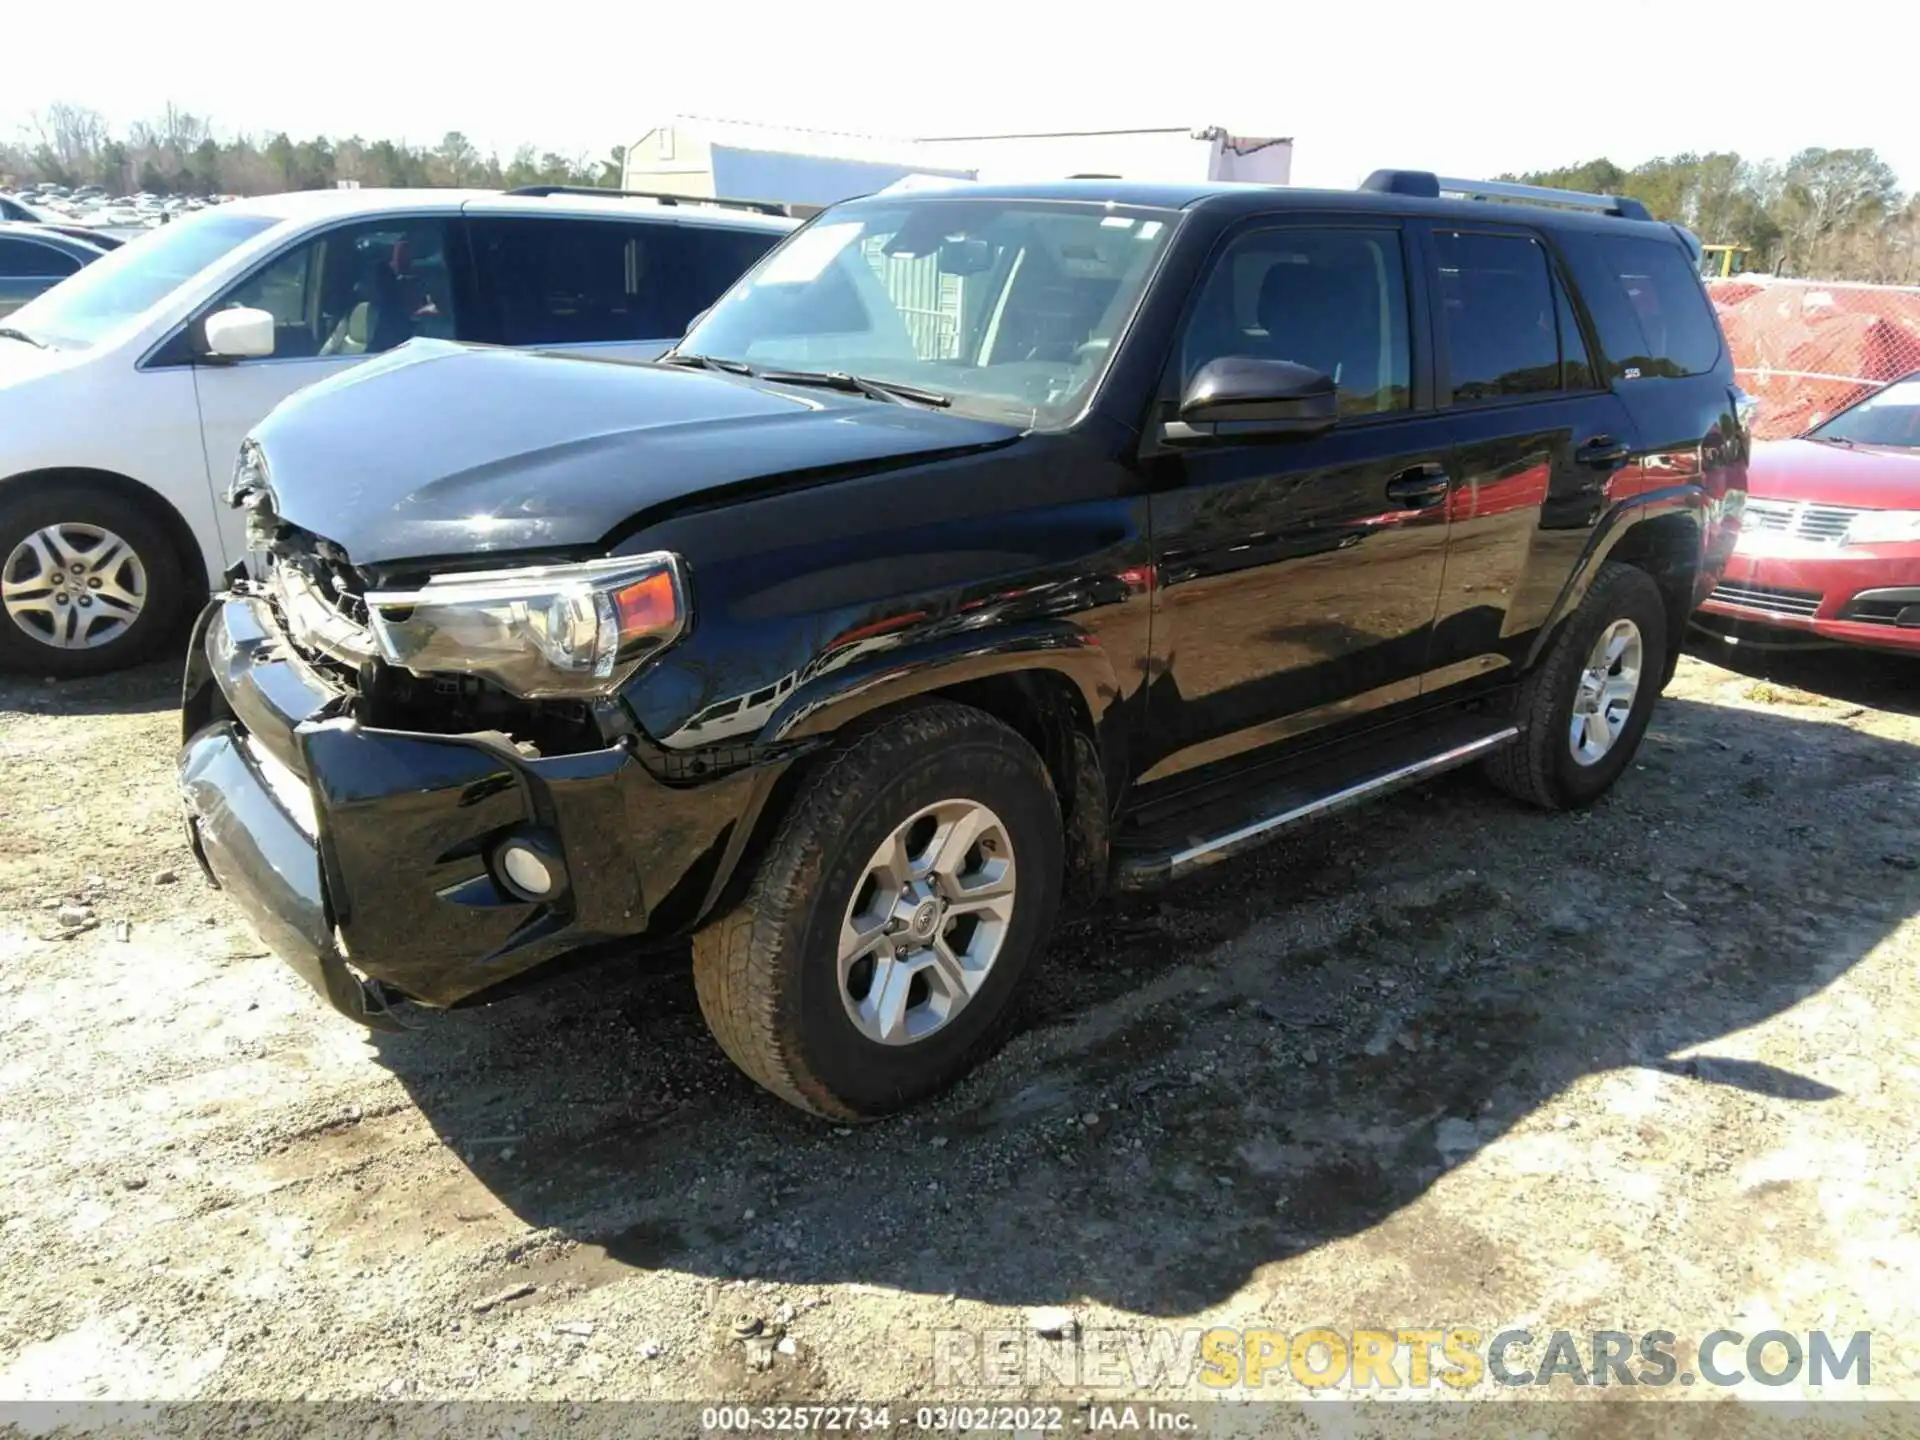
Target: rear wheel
1586 704
891 924
89 582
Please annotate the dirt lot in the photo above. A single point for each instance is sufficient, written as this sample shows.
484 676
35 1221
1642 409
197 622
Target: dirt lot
1437 1063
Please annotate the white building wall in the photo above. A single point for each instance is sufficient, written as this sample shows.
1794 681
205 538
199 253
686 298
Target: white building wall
1173 155
689 156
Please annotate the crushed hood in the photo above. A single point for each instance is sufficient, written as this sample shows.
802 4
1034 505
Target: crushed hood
440 449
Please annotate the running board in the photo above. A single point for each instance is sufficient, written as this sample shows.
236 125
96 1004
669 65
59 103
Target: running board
1187 842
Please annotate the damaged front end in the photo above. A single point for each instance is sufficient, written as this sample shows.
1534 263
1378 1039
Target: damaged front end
432 835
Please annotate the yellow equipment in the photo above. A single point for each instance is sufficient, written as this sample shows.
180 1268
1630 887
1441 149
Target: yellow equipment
1717 262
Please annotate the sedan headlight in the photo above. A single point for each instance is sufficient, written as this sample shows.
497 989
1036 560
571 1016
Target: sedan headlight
541 632
1872 527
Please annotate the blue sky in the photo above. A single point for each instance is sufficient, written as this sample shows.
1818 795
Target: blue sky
1472 88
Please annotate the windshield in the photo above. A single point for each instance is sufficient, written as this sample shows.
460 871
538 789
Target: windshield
1891 417
129 281
1009 307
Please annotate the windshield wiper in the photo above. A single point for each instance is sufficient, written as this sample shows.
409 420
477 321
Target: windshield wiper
1832 440
7 332
859 385
707 362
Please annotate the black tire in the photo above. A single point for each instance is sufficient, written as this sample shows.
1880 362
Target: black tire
768 973
1541 767
24 646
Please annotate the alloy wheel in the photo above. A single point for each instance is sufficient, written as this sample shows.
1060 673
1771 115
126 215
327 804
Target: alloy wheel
926 921
1609 682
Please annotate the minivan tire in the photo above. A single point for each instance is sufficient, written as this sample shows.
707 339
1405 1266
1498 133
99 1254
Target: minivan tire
1542 766
84 516
773 978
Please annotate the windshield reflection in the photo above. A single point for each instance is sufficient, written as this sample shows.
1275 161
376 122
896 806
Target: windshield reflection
1011 308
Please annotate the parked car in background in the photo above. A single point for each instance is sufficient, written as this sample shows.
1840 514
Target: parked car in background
124 393
12 207
1829 548
35 258
981 547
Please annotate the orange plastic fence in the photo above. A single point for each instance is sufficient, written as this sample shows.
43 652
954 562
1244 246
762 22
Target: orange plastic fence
1806 349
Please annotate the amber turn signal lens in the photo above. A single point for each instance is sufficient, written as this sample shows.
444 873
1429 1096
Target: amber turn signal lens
646 606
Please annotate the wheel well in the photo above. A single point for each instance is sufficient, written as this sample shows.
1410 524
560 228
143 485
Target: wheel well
1044 709
1667 547
193 564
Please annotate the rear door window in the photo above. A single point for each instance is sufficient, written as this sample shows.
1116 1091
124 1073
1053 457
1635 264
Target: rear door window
716 257
596 282
1654 319
1501 317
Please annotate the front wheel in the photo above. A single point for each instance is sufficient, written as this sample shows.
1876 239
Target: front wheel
1586 704
893 920
88 582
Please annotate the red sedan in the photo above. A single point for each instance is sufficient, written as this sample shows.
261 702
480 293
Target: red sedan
1829 544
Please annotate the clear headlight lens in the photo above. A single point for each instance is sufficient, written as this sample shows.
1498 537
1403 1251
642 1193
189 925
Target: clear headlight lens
1880 526
541 632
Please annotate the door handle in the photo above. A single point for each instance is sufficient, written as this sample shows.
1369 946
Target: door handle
1420 486
1602 452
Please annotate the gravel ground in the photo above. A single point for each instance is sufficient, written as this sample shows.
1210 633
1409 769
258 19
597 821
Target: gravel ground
1441 1062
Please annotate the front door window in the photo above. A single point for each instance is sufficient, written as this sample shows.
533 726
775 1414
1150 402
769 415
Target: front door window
355 290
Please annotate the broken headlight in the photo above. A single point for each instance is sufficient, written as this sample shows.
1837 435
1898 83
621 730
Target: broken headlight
540 632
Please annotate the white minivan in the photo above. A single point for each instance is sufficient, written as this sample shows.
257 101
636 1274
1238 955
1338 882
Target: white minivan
126 390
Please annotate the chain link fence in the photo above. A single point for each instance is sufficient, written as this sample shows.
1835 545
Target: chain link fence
1806 348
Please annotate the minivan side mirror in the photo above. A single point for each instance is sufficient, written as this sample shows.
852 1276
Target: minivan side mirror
1239 397
238 334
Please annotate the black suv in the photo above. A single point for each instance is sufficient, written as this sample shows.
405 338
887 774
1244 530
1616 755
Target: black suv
981 548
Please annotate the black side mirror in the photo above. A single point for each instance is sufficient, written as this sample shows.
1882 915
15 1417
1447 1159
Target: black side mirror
1239 397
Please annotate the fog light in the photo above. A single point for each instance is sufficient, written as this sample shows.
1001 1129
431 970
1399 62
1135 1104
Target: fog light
531 870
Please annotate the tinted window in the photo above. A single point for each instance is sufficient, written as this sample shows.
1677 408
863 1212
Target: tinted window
1334 300
582 282
30 258
355 290
1655 317
717 258
1576 365
1502 323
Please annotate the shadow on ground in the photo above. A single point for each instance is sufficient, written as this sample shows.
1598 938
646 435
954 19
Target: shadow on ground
1273 1058
1859 677
139 691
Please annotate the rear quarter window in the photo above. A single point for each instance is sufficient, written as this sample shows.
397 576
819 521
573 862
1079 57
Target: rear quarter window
1652 314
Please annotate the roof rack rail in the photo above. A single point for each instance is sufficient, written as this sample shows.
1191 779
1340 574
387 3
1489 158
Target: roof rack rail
758 207
1427 185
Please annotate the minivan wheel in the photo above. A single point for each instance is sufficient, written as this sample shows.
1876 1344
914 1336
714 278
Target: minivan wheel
1586 704
88 582
893 920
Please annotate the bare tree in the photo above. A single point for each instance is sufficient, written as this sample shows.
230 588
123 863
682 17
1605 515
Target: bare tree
70 137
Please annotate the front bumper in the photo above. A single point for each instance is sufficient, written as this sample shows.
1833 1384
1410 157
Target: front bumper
364 854
1853 595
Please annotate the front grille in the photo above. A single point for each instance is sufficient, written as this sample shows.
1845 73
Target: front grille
1769 598
1819 524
